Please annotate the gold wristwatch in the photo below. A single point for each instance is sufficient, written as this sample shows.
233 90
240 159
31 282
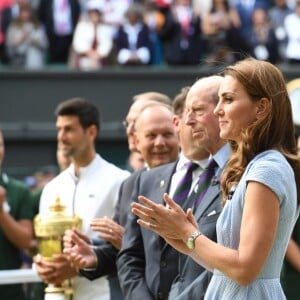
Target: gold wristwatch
190 243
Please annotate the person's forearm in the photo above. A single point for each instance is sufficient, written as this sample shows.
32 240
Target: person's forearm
201 262
19 233
293 254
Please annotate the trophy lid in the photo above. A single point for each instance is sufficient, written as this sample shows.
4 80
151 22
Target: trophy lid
57 206
56 222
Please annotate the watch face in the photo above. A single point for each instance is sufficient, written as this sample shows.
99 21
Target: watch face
190 243
191 240
293 88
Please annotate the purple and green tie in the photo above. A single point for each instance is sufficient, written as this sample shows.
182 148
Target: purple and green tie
183 188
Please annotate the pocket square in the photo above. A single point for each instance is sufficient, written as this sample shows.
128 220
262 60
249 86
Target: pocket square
212 213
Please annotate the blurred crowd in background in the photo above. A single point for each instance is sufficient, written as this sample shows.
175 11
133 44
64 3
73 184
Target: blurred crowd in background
92 34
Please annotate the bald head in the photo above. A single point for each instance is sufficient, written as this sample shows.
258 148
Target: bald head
155 135
208 87
140 101
201 101
153 96
149 109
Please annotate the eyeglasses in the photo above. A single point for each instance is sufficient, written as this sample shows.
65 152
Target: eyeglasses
125 123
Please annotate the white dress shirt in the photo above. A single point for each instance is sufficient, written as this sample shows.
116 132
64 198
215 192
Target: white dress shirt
92 195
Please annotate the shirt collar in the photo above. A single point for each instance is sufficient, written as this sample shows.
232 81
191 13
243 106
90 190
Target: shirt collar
83 170
222 156
183 160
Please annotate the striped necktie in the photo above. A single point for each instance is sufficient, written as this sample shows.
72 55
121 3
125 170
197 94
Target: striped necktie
184 185
204 182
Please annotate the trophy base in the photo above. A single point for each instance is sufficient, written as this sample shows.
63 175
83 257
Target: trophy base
58 293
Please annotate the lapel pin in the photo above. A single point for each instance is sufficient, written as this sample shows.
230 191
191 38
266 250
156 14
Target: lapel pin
162 183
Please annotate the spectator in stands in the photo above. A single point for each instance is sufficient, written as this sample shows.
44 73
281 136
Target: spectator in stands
92 42
221 28
182 35
114 13
202 7
291 22
26 40
277 14
155 19
59 18
262 39
245 9
9 11
133 44
16 230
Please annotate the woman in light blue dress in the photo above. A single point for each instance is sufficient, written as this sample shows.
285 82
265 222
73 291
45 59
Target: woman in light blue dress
261 185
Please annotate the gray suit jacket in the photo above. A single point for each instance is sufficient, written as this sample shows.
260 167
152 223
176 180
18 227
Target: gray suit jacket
192 280
146 264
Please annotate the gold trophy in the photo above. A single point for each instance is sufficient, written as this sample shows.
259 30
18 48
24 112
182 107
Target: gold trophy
49 231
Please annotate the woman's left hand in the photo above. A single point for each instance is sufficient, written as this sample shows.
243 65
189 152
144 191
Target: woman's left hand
169 221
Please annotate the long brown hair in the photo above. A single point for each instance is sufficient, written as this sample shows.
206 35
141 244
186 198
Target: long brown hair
33 19
273 131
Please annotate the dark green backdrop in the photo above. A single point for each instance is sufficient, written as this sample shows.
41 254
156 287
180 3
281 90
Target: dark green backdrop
28 100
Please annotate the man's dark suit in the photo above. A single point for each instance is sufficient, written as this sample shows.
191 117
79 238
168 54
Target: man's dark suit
106 253
172 33
122 39
192 280
146 264
59 45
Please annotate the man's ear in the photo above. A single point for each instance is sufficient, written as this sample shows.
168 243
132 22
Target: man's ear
93 131
176 121
136 140
263 107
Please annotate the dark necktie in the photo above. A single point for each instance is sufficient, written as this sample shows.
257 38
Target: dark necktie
184 185
204 182
95 40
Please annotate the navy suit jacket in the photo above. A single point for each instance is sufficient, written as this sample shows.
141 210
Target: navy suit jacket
146 264
143 40
175 54
192 280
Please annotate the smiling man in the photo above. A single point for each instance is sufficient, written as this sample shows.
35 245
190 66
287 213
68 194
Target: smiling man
155 136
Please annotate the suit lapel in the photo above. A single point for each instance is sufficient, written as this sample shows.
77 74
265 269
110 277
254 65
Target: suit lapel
162 182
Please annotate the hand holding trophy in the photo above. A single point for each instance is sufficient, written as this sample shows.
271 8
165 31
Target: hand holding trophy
49 231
